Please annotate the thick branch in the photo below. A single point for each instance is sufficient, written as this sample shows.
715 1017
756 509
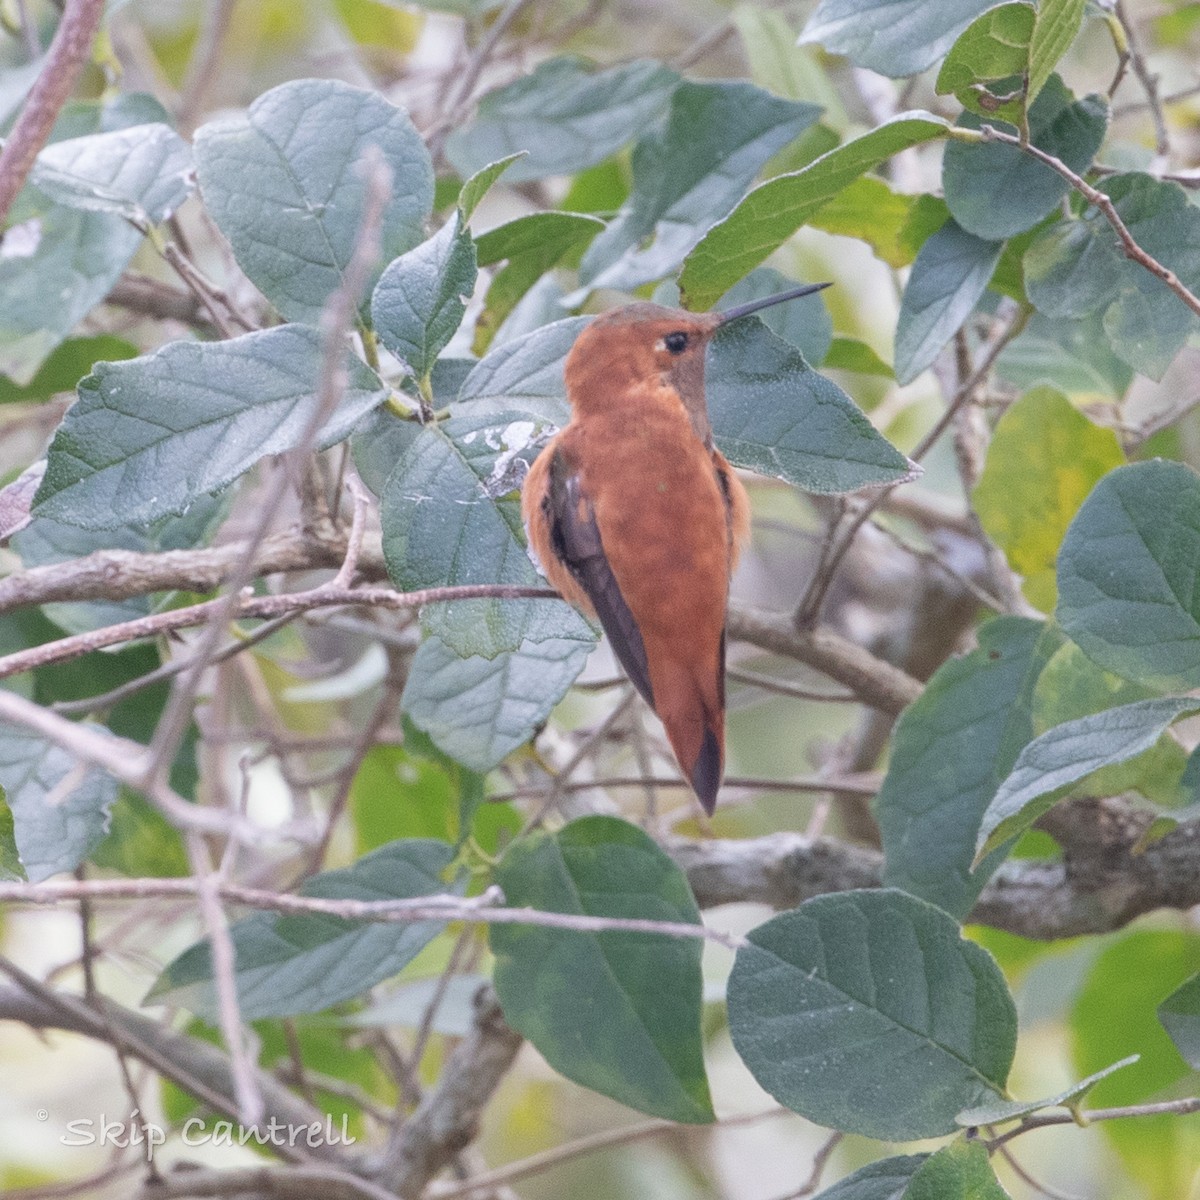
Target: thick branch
1102 882
874 681
122 574
447 1120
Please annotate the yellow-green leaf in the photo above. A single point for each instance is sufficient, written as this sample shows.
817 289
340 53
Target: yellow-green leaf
1044 459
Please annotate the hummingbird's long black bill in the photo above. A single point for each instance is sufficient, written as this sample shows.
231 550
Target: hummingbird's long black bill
753 306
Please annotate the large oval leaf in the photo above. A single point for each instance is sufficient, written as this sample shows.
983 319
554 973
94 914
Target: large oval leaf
282 180
1128 573
617 1012
867 1012
297 963
151 435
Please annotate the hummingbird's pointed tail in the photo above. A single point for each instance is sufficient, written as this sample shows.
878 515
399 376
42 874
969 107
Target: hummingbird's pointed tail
692 711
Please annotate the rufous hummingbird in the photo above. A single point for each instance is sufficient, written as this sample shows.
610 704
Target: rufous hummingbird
637 518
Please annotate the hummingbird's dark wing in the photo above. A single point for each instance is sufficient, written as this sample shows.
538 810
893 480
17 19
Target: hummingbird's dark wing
575 539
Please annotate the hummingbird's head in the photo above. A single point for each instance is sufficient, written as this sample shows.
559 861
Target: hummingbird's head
642 343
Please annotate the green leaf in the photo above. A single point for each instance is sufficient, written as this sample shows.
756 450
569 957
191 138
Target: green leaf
995 46
974 175
951 749
481 183
58 264
564 115
451 515
616 1012
885 1179
893 37
1010 1110
59 810
300 963
866 1011
950 274
525 375
1077 267
1127 575
772 413
1114 1014
1065 754
150 436
1180 1017
774 210
142 174
478 710
66 366
11 870
688 174
530 246
1073 356
282 180
780 66
1072 686
1058 22
894 225
960 1171
804 323
849 354
420 299
1042 462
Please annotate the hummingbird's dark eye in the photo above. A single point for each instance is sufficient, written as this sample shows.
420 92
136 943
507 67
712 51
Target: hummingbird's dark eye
676 343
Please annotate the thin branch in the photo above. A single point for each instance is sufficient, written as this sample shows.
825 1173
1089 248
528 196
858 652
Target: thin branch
123 574
1098 199
204 64
606 1139
68 53
1149 82
810 606
820 1162
195 1065
336 317
483 909
308 1182
246 1092
250 607
124 760
465 81
1089 1116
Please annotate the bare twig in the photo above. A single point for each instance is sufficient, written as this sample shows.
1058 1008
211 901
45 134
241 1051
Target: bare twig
195 1065
820 1162
250 607
336 318
124 760
204 64
1108 210
465 82
535 1164
68 52
246 1092
483 909
810 606
305 1182
1149 82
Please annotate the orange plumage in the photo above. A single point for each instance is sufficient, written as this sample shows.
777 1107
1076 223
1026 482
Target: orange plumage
636 466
